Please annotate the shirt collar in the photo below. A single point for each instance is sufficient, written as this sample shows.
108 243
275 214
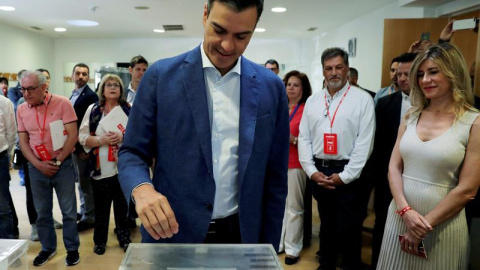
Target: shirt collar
79 90
48 98
345 87
404 96
130 87
206 63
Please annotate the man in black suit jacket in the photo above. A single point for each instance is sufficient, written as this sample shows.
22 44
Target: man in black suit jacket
82 97
388 113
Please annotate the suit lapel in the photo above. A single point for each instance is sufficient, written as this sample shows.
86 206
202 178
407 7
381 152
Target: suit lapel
249 101
196 92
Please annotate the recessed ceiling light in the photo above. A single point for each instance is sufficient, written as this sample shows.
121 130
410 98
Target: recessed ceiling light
279 9
158 30
7 8
82 23
60 29
261 30
141 7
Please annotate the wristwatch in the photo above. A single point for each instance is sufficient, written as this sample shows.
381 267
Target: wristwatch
56 162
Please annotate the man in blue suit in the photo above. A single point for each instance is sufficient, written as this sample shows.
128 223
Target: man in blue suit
216 125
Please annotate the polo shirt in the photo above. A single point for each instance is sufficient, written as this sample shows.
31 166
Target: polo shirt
57 108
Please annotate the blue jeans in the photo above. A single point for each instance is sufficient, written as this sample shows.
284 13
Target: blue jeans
6 215
42 190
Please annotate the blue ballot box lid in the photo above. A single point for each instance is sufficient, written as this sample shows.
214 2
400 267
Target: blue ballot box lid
200 256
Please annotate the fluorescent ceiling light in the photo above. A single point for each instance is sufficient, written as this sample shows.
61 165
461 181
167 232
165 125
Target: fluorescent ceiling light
279 9
82 23
158 30
261 30
60 29
7 8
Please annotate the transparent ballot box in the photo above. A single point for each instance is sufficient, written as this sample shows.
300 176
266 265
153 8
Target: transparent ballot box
13 254
200 256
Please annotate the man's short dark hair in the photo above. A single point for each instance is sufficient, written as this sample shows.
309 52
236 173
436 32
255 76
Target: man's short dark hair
334 52
138 60
406 57
81 65
4 80
43 70
239 5
272 62
353 72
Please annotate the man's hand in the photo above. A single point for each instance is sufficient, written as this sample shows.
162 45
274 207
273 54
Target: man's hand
447 32
337 181
47 167
323 180
155 212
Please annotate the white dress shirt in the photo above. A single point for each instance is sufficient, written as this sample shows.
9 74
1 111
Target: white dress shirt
223 97
131 94
75 94
354 125
8 126
406 104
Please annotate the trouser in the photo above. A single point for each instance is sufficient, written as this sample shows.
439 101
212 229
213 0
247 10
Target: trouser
224 231
6 215
106 191
42 190
341 214
32 213
292 230
87 206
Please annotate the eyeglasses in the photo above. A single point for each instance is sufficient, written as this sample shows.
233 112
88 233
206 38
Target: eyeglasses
30 89
273 69
114 85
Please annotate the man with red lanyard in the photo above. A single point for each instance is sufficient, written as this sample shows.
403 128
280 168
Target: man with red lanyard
335 141
49 169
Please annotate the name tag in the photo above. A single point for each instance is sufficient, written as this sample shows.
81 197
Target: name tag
43 152
330 144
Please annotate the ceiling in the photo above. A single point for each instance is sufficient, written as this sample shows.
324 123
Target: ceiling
119 18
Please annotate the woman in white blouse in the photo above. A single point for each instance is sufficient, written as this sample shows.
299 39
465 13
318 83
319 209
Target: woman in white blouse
101 134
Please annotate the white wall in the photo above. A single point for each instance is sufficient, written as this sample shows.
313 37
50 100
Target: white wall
368 30
20 49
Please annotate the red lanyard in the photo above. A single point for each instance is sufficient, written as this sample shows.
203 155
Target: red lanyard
328 107
42 130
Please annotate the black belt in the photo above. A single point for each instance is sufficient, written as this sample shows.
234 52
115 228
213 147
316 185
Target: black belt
326 163
224 223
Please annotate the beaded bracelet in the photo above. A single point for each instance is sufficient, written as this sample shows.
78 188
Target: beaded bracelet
404 210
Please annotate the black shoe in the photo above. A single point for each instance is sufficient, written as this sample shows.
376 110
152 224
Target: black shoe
99 249
83 226
280 252
123 237
291 260
73 258
43 257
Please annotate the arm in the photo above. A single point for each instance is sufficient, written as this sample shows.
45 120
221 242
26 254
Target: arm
67 149
415 222
469 181
10 125
136 154
447 33
45 167
363 145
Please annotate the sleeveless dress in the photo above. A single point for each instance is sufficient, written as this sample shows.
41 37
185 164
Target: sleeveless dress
431 171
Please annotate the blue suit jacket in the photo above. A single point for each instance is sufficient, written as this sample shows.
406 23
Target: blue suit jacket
170 122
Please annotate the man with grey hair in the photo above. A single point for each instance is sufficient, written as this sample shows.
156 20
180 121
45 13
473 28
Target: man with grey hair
217 126
50 168
335 142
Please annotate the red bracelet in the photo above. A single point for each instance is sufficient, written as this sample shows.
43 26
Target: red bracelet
404 210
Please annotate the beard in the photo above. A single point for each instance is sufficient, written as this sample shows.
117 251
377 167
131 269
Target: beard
335 84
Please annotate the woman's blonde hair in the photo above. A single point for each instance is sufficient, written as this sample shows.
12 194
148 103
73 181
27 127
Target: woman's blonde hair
452 65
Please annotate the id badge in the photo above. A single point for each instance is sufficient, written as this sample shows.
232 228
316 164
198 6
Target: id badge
330 144
43 152
112 155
